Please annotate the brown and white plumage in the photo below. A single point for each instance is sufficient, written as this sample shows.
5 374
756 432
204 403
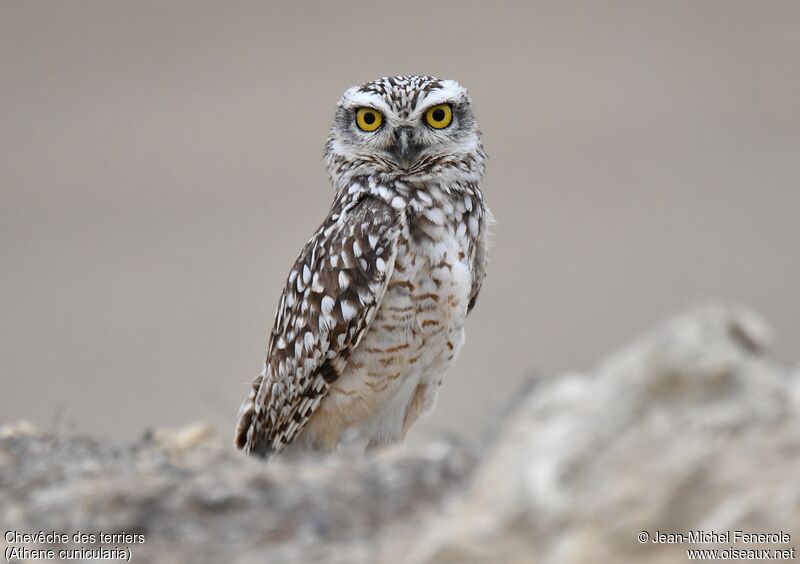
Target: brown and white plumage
373 310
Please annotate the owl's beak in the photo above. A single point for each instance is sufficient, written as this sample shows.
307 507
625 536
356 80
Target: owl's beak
404 148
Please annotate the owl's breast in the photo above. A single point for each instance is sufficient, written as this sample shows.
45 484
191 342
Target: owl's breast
395 372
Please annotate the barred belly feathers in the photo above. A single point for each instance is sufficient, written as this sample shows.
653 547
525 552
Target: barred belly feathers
373 311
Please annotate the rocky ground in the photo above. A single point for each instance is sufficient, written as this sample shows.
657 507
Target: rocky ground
693 427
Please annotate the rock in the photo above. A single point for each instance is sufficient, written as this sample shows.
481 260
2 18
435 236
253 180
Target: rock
19 428
184 439
196 499
692 427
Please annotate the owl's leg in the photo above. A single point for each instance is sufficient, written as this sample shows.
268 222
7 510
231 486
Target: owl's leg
390 425
416 407
323 431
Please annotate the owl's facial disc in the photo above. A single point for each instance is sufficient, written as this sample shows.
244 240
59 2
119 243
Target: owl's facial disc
404 127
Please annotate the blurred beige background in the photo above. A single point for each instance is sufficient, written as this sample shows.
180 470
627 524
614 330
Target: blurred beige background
161 168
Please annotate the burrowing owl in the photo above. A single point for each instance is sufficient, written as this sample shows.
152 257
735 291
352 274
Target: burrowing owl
373 311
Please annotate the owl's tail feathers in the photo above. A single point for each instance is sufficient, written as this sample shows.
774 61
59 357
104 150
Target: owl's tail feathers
248 436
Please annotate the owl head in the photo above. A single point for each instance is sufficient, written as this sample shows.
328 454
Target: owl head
405 127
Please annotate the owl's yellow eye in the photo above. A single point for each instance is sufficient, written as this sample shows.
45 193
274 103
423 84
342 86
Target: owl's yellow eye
439 116
368 119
